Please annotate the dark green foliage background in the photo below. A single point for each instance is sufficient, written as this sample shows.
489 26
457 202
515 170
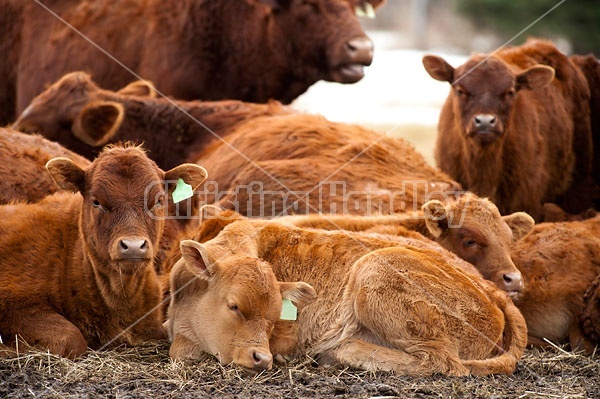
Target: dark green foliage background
576 20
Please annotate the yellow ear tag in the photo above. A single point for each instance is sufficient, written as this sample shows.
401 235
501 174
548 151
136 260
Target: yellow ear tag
182 191
288 311
366 10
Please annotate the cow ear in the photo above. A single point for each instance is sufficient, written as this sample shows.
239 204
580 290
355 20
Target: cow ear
98 122
142 88
66 174
436 217
536 77
520 223
300 293
197 258
191 174
438 68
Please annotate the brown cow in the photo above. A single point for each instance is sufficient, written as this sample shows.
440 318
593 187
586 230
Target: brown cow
590 315
471 227
252 50
299 163
516 131
75 112
558 261
590 66
22 166
76 269
377 308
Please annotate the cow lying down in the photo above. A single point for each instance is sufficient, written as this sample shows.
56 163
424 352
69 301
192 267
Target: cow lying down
76 269
377 307
471 227
558 262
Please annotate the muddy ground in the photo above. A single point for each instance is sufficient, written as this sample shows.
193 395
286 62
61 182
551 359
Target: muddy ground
147 372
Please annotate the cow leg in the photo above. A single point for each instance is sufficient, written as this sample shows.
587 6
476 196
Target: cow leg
422 362
50 331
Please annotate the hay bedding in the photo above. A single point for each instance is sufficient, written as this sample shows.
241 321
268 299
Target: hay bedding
147 372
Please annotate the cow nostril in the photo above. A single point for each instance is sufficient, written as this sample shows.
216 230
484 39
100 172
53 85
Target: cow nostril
123 246
262 360
513 281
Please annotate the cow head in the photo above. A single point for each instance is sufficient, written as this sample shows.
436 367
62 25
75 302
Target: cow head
122 215
327 35
473 229
75 106
483 92
232 307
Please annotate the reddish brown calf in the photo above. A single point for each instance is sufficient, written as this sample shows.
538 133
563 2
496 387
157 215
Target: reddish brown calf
75 112
558 262
76 269
22 166
517 131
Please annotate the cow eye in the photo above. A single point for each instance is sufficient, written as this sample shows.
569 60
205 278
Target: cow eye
233 306
469 243
510 92
461 92
158 204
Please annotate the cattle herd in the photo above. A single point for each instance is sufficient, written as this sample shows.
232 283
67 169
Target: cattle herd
296 235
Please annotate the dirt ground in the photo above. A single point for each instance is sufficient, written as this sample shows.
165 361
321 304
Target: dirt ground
147 372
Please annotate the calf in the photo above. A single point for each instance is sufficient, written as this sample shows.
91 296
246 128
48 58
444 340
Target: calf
298 163
22 166
76 269
191 49
377 308
470 227
517 131
75 112
558 262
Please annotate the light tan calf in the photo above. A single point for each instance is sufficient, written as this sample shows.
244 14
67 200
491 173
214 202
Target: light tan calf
471 227
378 308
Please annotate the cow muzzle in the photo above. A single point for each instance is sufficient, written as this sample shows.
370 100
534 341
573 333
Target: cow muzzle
131 248
485 128
255 359
355 55
512 283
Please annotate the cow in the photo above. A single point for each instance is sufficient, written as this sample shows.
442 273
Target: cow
22 166
301 163
558 261
377 307
515 127
76 269
590 66
75 112
253 50
590 315
470 227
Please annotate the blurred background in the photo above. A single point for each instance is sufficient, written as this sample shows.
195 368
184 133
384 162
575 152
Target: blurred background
399 98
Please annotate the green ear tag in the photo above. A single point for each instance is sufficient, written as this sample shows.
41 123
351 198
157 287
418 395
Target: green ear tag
288 311
182 191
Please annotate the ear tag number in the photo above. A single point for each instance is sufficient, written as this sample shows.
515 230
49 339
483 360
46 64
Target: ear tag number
182 191
288 311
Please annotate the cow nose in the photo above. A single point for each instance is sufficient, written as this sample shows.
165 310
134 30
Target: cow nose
130 248
485 122
360 50
262 360
513 281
